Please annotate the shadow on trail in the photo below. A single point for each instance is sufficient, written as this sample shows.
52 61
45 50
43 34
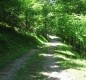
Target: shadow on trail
49 62
60 57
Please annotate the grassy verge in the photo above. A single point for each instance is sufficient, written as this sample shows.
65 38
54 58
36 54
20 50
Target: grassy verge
13 45
69 62
68 58
42 38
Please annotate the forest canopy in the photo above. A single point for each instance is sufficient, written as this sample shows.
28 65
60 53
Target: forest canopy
64 18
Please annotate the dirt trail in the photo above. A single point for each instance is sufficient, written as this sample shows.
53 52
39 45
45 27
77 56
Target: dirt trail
8 72
52 71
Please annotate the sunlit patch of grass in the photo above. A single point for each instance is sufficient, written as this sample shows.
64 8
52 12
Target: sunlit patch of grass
40 38
80 62
67 62
59 56
68 58
65 52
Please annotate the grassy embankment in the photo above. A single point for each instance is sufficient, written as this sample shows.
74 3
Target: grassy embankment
13 45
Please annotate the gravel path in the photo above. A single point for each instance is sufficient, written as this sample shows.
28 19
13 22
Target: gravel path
52 71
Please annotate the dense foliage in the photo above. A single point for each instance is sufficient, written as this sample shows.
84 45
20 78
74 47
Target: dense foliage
72 24
66 18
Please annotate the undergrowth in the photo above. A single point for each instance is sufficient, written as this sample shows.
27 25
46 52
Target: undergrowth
13 45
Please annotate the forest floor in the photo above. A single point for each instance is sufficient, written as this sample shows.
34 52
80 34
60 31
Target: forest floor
53 61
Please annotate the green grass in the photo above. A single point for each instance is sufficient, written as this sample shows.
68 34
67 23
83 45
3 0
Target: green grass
13 45
42 38
68 58
69 62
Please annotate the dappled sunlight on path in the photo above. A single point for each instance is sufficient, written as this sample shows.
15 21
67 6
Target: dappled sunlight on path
54 41
53 37
52 67
52 61
52 71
